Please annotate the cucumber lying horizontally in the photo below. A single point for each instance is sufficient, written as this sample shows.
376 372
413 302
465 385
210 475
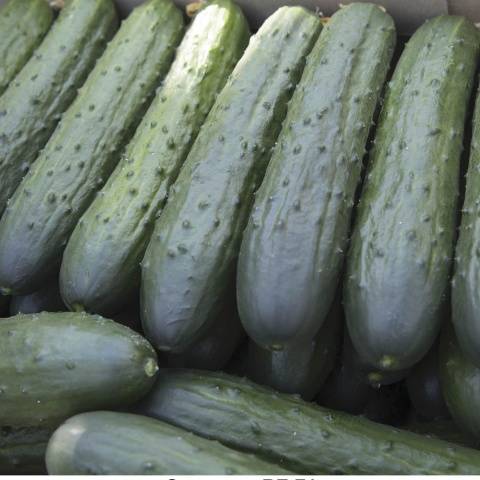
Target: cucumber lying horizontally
54 365
190 259
86 146
47 299
101 265
23 24
305 438
293 248
31 107
401 248
106 443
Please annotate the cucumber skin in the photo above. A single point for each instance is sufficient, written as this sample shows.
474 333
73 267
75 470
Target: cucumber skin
191 256
400 254
54 365
285 429
47 299
101 265
121 443
22 450
46 86
460 380
284 297
86 146
23 24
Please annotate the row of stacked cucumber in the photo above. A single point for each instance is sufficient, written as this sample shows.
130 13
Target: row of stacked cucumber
235 179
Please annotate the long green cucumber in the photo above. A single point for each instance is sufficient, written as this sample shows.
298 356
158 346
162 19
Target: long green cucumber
32 105
400 254
101 265
191 257
23 24
46 299
54 365
86 146
106 443
303 437
22 450
460 380
301 368
306 199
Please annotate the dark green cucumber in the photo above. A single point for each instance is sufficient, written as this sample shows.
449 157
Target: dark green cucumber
460 380
23 24
86 146
31 107
106 443
400 254
101 265
424 389
301 368
466 283
303 437
191 257
306 199
47 299
54 365
22 450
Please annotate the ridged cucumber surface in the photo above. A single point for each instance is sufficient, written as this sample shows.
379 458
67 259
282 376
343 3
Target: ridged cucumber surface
106 443
23 24
191 257
293 248
401 249
86 146
46 299
54 365
101 265
35 100
304 437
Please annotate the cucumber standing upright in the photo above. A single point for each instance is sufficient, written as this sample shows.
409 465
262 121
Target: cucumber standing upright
23 24
101 265
32 105
293 248
401 249
190 260
86 146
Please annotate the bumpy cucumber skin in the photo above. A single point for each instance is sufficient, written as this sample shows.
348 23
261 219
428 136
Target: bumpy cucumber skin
46 299
401 248
23 24
101 265
54 365
466 281
281 427
191 257
31 107
86 146
106 443
460 380
293 248
22 450
301 368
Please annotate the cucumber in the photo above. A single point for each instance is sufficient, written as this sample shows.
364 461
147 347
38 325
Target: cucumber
301 368
106 443
32 105
304 437
460 380
306 199
47 299
424 389
191 257
4 305
400 253
23 24
54 365
22 450
465 285
85 147
101 265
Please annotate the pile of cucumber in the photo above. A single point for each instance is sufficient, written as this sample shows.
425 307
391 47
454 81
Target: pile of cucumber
231 252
